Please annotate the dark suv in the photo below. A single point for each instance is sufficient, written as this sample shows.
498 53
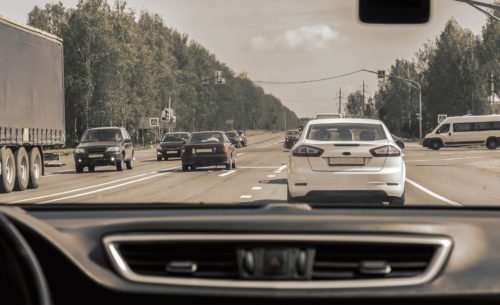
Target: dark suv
104 146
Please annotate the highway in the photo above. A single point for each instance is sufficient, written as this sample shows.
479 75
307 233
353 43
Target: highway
448 177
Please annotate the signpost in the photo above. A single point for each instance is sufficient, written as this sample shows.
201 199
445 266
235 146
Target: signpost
442 117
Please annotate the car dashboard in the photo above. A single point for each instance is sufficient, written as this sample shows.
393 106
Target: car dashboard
262 254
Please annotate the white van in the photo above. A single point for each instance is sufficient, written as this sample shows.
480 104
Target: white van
465 130
329 116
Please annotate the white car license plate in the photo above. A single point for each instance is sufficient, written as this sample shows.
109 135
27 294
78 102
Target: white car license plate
94 156
346 161
203 150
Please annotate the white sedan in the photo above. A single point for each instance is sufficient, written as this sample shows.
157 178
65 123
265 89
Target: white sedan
346 160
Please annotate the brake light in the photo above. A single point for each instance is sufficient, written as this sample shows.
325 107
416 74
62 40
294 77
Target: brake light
386 151
307 151
221 149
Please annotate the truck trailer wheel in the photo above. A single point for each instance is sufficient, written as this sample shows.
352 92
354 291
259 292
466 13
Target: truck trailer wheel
35 168
8 170
22 169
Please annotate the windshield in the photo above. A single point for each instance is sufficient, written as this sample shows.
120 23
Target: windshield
102 135
262 101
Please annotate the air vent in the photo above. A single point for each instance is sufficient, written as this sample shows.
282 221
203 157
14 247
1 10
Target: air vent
189 260
278 261
370 261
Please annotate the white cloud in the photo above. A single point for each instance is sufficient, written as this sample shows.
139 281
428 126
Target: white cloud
305 38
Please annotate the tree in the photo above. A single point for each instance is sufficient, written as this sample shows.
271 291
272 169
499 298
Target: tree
355 105
120 68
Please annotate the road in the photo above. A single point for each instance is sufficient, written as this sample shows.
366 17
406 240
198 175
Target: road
449 177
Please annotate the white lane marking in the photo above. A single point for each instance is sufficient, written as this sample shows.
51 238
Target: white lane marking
431 193
271 176
87 187
463 152
79 189
447 159
257 167
256 188
240 154
245 196
105 189
228 173
281 168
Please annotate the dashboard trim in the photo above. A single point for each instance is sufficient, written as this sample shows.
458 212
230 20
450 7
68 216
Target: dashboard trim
444 247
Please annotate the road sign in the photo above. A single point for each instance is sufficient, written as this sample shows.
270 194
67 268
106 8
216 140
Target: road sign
442 117
154 122
219 78
381 74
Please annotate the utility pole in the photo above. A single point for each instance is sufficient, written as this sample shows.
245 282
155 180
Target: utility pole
340 101
492 92
363 104
284 113
169 112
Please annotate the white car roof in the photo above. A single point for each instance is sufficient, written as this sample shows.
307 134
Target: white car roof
348 121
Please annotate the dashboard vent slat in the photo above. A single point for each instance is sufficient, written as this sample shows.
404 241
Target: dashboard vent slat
214 260
345 261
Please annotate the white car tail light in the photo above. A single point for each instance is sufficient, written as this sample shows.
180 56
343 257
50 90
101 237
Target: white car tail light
386 151
307 151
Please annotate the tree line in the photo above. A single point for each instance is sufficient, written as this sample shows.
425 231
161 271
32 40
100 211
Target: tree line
120 66
455 71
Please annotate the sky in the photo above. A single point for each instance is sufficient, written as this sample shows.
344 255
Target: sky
293 40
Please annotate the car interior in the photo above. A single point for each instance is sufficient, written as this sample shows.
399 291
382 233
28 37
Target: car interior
259 252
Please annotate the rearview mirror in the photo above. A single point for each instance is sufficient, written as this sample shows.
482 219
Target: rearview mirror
401 144
394 11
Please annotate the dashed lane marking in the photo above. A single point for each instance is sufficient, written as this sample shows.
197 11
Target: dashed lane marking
227 173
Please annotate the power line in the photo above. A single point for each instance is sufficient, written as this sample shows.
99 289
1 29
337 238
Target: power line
308 81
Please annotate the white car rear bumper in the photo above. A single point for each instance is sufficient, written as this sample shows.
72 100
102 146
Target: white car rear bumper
391 180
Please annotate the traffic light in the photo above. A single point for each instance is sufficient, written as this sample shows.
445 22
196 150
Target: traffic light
165 115
381 74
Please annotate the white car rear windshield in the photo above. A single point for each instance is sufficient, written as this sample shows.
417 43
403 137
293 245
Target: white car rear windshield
346 132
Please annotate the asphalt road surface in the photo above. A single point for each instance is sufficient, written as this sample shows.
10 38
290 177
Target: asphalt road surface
449 177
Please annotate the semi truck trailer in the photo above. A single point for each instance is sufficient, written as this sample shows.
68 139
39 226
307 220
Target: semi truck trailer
31 103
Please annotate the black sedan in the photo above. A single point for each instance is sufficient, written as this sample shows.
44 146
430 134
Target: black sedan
171 145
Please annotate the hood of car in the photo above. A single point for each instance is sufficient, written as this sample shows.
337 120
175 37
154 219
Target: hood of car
98 144
172 144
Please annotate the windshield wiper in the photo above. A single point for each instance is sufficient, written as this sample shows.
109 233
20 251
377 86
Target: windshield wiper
478 5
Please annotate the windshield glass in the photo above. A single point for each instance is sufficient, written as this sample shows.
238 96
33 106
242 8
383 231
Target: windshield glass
206 138
263 101
346 132
102 135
